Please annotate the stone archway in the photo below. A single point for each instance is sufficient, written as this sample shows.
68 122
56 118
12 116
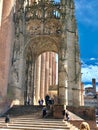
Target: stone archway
46 26
33 49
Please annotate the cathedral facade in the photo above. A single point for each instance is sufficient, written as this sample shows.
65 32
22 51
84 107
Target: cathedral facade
39 50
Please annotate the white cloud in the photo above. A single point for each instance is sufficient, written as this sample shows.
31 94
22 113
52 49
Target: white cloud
92 59
88 85
89 71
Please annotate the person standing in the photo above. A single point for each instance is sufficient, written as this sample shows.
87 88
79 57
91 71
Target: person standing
41 102
7 119
47 98
44 112
29 100
67 115
64 115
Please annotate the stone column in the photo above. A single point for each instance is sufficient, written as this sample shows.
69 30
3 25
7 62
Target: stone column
50 68
15 81
78 72
29 81
21 77
22 40
33 98
82 94
54 69
6 40
42 81
47 73
38 77
71 69
1 8
62 61
62 78
73 58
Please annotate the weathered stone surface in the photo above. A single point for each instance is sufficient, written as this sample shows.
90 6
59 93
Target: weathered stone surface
57 111
6 40
35 31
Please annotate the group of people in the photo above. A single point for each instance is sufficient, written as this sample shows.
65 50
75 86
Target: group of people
48 100
48 105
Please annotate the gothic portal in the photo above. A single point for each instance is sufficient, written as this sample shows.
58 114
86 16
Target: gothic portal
37 31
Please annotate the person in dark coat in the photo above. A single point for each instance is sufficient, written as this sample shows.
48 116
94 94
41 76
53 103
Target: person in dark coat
47 98
44 112
64 115
7 119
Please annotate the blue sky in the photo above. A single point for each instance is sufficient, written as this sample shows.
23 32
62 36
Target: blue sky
86 12
87 20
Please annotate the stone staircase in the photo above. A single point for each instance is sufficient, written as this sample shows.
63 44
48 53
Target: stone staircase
30 118
33 122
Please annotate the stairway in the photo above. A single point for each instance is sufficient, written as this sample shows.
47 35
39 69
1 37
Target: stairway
30 118
33 122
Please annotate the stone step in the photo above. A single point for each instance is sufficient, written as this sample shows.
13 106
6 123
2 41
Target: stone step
37 125
30 118
30 123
